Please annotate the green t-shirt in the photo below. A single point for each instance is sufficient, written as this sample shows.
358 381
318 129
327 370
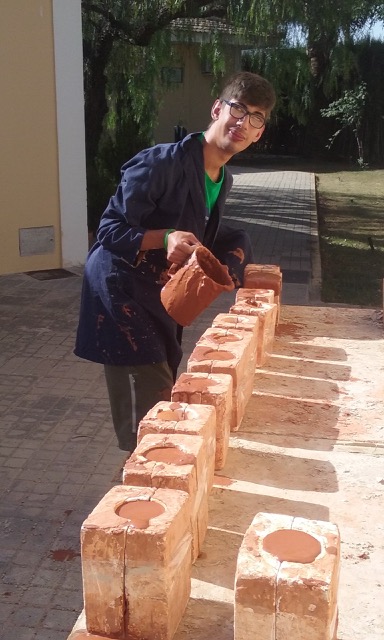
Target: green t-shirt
212 189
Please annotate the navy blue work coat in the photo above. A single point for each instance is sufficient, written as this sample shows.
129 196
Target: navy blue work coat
122 320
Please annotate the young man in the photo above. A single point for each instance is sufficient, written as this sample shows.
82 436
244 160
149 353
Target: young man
170 199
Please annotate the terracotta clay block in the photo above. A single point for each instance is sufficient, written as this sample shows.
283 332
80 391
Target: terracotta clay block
210 389
239 323
136 562
231 352
184 419
267 325
255 295
265 276
287 579
179 462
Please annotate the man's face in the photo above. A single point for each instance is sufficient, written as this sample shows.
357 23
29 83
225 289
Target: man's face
231 133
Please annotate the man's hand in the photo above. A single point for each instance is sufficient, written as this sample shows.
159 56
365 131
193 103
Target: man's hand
180 246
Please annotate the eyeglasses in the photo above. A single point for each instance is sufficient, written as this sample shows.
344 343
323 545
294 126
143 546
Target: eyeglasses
239 112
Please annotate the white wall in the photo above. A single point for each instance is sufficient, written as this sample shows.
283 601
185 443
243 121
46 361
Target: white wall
70 130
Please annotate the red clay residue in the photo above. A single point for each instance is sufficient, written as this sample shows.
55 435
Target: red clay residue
126 332
290 329
239 253
126 310
222 481
207 353
140 512
163 278
196 384
100 320
291 545
62 555
169 455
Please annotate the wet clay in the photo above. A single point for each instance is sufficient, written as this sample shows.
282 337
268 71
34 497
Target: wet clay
212 268
205 353
252 295
290 545
169 415
252 302
198 384
140 512
62 555
169 455
220 339
222 481
230 318
194 286
177 415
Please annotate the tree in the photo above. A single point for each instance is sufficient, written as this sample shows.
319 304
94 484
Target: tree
317 29
138 30
348 111
124 42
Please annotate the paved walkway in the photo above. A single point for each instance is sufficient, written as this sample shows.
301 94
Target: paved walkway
57 447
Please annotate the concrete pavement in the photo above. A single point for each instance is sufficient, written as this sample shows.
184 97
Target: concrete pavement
58 451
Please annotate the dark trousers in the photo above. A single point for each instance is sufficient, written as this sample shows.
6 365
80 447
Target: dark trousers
132 392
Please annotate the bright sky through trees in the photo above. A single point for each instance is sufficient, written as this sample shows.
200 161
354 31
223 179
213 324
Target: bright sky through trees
377 31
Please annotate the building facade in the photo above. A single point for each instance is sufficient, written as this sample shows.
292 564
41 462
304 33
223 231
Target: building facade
187 103
42 175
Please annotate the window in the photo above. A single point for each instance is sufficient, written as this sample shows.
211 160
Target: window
206 66
172 75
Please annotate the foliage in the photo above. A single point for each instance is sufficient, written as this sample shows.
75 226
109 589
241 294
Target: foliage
288 68
348 111
370 62
213 53
321 36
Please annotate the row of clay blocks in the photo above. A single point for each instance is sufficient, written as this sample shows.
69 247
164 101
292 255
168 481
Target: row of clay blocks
139 543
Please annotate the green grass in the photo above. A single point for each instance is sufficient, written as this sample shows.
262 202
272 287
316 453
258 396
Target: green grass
351 228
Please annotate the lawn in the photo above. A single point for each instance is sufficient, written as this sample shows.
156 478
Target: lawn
351 230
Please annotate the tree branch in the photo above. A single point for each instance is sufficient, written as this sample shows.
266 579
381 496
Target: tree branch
141 35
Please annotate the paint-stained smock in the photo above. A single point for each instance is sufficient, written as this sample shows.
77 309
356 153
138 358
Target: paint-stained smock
122 320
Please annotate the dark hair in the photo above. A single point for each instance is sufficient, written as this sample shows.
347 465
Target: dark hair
250 88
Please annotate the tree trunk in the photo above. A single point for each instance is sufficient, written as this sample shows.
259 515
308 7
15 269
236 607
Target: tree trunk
96 106
318 131
95 109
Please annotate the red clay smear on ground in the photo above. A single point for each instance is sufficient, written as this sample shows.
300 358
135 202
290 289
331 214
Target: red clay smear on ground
222 481
290 329
62 555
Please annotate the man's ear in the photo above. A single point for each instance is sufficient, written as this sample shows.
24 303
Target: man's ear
216 109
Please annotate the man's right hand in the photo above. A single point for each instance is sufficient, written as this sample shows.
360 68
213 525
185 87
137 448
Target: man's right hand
180 245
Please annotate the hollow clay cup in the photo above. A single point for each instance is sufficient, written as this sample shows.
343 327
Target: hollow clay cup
194 286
